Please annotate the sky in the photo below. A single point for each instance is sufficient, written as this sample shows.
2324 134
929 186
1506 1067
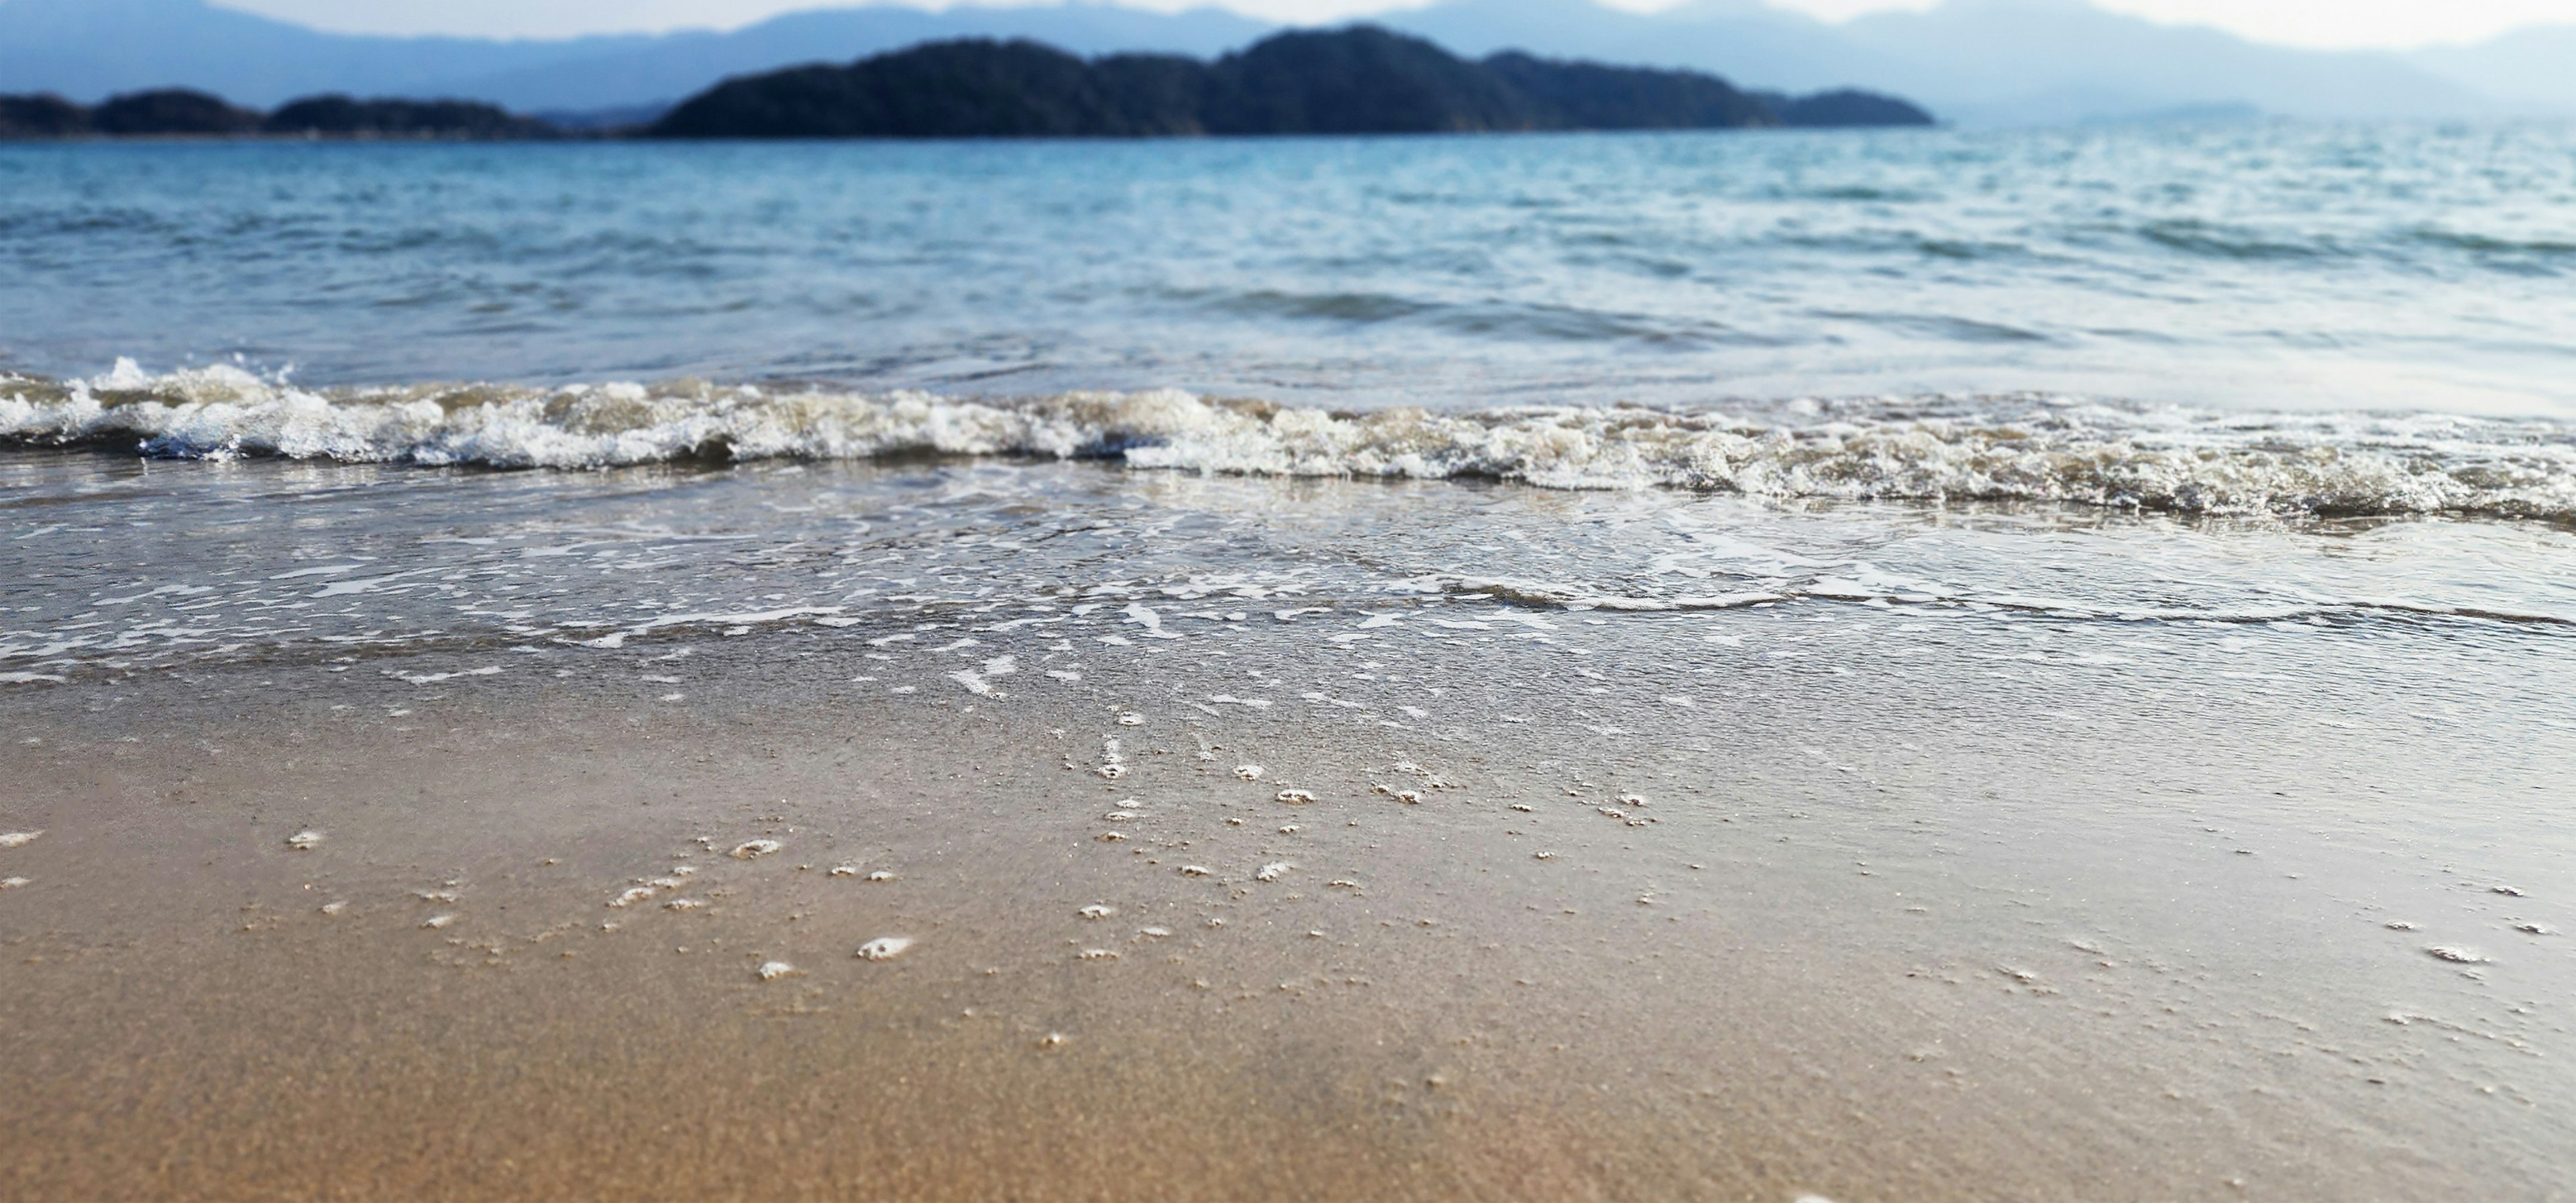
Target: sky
2327 24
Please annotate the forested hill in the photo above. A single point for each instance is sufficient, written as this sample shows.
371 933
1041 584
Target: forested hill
1359 80
182 113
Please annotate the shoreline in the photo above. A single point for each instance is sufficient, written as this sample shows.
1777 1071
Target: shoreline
2142 1012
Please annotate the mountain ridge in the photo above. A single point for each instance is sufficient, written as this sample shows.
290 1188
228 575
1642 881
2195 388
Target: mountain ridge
1358 79
1981 62
2527 65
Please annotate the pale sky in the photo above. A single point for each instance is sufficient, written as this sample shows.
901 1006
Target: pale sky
2321 23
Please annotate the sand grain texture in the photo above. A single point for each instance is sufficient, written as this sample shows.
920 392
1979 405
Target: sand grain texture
1899 984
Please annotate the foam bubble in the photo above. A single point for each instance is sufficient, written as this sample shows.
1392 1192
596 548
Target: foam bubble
1987 448
884 948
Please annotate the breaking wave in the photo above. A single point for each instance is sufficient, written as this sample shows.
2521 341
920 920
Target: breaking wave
2025 448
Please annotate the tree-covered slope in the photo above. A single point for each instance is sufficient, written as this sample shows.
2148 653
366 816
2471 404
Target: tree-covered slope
1359 80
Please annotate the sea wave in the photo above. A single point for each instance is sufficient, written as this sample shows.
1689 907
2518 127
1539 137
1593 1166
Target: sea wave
2022 447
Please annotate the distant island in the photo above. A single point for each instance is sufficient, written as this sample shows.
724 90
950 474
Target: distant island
1358 80
182 113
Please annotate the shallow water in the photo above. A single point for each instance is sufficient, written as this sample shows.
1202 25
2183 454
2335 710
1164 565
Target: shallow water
2285 374
115 564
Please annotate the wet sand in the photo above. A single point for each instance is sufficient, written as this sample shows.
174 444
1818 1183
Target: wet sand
1879 931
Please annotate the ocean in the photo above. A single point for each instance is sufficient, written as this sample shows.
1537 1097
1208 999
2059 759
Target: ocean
2241 372
1876 664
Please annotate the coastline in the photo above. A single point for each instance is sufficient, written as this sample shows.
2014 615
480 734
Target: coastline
1551 672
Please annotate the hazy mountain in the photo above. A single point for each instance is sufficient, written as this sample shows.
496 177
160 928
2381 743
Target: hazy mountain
90 49
683 64
1990 60
2533 67
1974 61
1749 43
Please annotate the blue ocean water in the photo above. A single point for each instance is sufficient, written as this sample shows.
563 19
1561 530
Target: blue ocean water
2317 377
2268 266
2207 491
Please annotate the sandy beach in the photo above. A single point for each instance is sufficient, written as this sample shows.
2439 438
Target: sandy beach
1638 912
2026 658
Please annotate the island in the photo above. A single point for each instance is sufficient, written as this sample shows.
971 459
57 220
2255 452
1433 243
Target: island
185 113
1362 79
1357 80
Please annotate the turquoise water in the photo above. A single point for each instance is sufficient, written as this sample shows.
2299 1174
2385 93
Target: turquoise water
2269 266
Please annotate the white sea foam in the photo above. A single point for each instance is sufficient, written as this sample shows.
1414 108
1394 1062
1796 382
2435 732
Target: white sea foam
2009 448
884 948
